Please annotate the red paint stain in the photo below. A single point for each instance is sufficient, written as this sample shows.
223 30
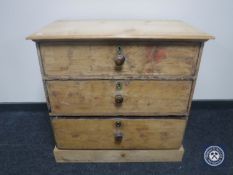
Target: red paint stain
155 54
160 54
96 98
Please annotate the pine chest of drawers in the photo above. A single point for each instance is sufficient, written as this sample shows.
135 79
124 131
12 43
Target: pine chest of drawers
119 91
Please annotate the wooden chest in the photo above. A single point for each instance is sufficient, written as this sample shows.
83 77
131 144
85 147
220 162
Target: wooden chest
119 91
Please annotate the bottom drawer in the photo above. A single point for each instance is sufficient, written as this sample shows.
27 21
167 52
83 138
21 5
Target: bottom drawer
161 133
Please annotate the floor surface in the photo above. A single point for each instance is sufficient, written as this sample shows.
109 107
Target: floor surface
26 145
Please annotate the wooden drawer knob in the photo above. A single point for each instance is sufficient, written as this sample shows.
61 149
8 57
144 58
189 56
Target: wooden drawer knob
119 99
118 136
119 60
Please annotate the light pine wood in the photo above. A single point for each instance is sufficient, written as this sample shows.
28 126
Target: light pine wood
100 133
88 59
69 156
42 74
196 73
158 79
119 29
97 97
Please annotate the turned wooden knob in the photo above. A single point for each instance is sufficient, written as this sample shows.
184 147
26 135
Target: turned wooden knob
119 60
119 99
118 136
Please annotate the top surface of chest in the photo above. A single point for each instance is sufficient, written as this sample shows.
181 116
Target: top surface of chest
119 29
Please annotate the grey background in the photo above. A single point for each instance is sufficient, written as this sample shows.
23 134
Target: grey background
19 69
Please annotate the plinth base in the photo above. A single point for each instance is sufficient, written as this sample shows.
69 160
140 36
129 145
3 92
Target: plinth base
171 155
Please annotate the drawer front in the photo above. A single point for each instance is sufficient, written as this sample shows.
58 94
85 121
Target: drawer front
118 133
108 97
73 59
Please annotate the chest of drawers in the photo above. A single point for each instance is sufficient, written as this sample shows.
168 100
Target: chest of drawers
119 91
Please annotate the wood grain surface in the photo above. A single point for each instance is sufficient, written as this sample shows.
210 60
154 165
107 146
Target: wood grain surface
119 29
69 156
82 81
100 133
85 59
97 97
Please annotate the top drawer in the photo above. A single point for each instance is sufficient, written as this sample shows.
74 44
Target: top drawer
126 58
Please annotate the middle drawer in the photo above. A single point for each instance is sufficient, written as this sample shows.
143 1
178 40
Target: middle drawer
119 97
